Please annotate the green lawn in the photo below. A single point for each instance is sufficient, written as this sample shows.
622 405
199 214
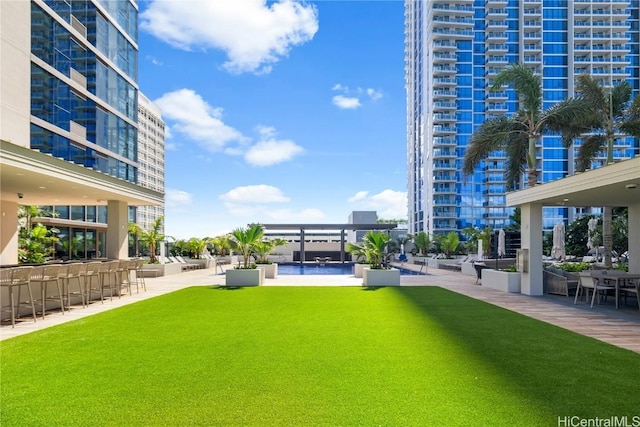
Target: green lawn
312 356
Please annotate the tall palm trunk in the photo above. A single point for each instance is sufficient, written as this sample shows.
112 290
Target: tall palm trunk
532 175
607 212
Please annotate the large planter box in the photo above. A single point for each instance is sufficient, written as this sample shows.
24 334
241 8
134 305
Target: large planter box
270 270
468 269
159 270
241 277
389 277
358 269
501 280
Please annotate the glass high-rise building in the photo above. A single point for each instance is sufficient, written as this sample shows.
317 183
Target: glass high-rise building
69 122
453 49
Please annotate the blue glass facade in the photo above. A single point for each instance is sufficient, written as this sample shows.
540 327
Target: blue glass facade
74 89
557 39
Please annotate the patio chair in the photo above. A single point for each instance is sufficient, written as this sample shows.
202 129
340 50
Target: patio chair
193 265
587 282
17 278
45 275
631 288
108 276
183 265
123 277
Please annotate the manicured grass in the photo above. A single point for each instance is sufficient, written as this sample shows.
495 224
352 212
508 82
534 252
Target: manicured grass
312 356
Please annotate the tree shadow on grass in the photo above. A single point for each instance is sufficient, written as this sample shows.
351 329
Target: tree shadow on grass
543 362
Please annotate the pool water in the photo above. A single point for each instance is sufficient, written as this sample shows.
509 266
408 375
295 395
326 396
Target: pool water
325 269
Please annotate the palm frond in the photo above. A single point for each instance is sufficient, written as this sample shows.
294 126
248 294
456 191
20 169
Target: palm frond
526 83
591 146
590 90
517 149
620 96
492 135
571 118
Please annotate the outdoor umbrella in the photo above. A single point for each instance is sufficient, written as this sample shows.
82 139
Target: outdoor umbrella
501 243
557 251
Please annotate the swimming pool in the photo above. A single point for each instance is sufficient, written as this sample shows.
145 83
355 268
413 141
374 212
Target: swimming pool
325 269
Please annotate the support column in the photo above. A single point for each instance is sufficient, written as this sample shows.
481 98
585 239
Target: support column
342 246
117 233
531 234
8 232
634 238
301 245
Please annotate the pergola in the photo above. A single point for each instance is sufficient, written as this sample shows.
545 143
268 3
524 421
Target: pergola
342 227
613 185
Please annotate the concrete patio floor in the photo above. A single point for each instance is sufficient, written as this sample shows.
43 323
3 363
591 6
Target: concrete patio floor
617 327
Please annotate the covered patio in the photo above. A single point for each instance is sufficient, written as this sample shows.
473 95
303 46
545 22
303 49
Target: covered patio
616 185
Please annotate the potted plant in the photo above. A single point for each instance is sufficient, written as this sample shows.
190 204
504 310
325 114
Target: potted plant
358 251
378 274
244 240
262 249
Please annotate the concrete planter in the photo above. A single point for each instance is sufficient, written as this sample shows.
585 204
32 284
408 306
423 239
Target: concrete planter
389 277
501 280
240 277
358 268
270 270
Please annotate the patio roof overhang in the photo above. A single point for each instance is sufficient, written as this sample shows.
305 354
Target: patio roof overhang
42 179
612 185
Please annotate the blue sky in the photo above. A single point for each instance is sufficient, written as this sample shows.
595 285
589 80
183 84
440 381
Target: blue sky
277 112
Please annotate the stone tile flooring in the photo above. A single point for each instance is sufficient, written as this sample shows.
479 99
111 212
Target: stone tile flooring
617 327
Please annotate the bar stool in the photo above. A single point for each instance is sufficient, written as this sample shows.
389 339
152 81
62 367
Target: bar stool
108 276
45 275
139 263
17 277
124 279
68 274
92 271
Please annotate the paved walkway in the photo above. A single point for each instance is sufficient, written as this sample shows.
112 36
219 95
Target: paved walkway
618 327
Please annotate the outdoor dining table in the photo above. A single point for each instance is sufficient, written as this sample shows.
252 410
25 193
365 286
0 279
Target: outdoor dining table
618 278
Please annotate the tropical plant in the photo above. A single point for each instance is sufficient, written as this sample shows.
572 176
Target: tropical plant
450 243
221 244
609 114
518 134
356 250
152 237
263 249
197 246
244 240
134 229
36 244
375 246
422 242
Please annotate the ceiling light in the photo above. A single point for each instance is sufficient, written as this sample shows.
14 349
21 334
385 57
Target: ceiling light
631 186
42 188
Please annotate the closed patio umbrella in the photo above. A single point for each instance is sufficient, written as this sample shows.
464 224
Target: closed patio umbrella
501 243
558 249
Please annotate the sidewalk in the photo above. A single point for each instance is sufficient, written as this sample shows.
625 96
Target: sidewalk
617 327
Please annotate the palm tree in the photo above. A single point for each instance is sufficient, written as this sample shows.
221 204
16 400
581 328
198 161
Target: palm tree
519 133
450 243
151 237
609 114
422 242
375 244
245 239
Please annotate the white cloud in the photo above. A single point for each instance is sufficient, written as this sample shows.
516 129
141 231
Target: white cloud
338 86
194 117
374 94
254 194
346 102
267 153
252 33
177 201
388 203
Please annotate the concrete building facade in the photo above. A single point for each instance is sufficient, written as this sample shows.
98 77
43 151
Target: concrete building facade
68 113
